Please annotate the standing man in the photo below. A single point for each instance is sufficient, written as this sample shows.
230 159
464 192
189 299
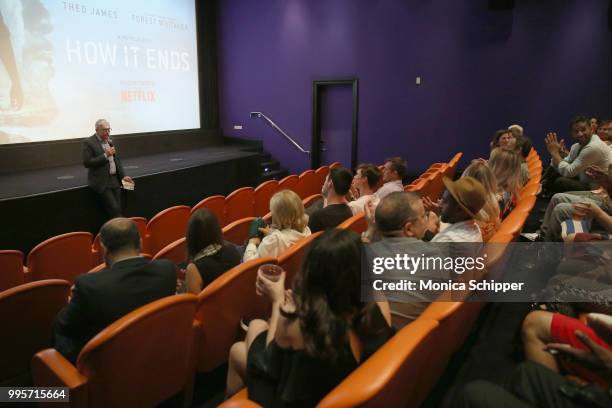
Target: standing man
105 172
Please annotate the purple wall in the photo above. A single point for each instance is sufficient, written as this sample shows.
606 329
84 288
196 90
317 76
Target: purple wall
481 71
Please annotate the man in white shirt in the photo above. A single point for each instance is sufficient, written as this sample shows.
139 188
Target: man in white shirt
365 182
588 150
462 200
393 174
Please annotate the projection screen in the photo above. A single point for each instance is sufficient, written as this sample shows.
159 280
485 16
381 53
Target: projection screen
63 65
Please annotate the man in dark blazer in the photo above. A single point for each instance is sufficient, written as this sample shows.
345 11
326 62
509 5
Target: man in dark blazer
98 299
105 172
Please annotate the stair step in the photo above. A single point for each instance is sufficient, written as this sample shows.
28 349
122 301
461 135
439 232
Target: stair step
265 156
269 165
277 174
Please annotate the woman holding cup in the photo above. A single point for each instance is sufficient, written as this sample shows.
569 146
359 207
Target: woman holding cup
317 333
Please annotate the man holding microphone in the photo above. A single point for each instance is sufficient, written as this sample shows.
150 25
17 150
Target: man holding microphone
105 173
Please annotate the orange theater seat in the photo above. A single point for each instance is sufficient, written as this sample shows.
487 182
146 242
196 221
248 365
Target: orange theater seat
27 313
390 377
357 223
320 176
238 231
335 164
240 204
221 305
61 257
306 185
263 194
141 360
291 260
526 203
167 226
513 223
308 201
289 183
11 269
176 251
216 204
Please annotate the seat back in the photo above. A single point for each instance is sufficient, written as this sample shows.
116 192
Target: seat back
513 223
221 305
27 313
61 257
335 164
143 358
306 185
357 223
320 176
455 322
216 204
291 260
238 231
389 378
167 226
240 204
263 194
11 269
308 201
141 224
175 251
289 183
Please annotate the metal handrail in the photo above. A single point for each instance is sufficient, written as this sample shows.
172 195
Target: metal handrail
275 126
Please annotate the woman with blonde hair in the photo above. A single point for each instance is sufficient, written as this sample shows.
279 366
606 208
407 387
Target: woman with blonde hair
488 217
289 225
506 167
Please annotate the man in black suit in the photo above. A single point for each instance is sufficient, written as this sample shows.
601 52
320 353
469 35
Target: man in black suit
98 299
105 172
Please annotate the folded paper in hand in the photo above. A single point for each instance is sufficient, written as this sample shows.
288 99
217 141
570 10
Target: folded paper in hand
127 185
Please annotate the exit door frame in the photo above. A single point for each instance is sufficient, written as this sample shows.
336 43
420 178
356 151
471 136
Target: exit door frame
317 85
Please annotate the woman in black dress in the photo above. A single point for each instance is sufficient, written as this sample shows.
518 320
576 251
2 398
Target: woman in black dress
318 332
207 254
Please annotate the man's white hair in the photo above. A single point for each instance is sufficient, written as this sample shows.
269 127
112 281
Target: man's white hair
519 128
99 122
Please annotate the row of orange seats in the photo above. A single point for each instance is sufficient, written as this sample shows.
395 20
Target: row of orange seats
228 299
67 255
406 368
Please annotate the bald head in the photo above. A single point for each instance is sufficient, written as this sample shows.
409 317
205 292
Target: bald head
395 210
120 235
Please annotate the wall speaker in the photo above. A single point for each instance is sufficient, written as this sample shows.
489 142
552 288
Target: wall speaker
501 5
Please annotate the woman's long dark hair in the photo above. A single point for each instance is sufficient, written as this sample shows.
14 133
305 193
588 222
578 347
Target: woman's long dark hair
203 230
327 292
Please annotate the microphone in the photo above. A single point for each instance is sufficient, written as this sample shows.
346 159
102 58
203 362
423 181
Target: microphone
110 142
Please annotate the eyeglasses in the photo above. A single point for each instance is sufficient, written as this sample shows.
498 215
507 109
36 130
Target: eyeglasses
106 129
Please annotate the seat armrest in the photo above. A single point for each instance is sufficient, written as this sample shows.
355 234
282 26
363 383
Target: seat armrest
51 369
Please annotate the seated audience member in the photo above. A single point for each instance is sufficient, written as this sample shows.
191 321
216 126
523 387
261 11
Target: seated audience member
488 218
538 383
594 124
317 334
561 205
393 175
605 131
401 222
365 181
544 331
208 256
461 202
98 299
335 188
588 150
517 131
289 225
506 167
504 139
